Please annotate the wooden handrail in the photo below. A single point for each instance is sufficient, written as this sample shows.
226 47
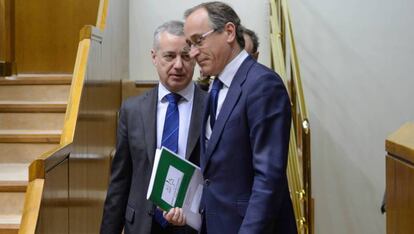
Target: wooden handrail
102 14
72 108
47 161
32 206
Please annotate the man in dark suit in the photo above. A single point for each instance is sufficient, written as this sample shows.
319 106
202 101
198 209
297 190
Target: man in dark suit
245 133
168 115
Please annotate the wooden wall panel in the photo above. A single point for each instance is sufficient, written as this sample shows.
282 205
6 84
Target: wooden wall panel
132 88
47 33
54 208
400 196
90 162
6 30
3 30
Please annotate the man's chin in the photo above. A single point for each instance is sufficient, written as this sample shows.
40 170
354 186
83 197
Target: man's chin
176 86
205 70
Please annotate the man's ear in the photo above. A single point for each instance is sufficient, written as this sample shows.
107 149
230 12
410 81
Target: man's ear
230 30
153 55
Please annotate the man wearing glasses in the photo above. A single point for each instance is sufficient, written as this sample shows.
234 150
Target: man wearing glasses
251 46
245 133
168 115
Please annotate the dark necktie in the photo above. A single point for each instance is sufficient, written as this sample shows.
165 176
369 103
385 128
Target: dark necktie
171 123
213 99
169 139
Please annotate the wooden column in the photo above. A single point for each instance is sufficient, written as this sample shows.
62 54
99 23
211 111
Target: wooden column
6 37
400 180
47 33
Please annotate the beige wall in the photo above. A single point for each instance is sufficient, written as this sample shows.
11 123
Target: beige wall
356 59
146 15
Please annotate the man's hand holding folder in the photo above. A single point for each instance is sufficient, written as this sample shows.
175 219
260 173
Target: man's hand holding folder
176 186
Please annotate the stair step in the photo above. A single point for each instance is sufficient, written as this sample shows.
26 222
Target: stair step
23 152
12 195
32 107
37 79
30 136
13 177
31 121
9 224
34 92
11 203
13 186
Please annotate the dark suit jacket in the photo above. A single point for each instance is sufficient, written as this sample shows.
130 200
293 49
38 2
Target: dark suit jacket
126 202
244 162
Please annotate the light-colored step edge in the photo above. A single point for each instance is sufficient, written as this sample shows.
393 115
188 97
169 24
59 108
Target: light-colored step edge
37 79
28 136
32 107
9 228
10 224
14 171
10 219
13 186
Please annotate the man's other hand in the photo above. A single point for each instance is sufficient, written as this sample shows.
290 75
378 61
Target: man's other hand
175 216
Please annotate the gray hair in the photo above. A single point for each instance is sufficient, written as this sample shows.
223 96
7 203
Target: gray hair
219 15
253 36
173 27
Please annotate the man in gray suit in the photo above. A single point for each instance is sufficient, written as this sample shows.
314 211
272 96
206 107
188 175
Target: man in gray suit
146 123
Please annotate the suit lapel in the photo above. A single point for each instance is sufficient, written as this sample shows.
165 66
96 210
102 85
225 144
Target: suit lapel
148 113
235 90
195 123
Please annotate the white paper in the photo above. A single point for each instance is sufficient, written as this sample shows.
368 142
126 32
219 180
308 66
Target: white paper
156 162
192 200
195 204
172 185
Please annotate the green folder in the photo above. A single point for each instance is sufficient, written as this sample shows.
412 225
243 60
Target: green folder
176 182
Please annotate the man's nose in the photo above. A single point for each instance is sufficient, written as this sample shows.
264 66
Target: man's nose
178 64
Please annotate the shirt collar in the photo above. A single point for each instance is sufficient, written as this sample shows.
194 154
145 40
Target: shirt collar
227 75
187 93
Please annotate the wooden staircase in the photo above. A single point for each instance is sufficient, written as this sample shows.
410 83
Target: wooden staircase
32 110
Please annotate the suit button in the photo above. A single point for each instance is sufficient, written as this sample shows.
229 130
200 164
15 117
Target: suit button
150 212
207 182
201 211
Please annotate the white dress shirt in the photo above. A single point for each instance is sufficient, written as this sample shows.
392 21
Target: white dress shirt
226 77
185 106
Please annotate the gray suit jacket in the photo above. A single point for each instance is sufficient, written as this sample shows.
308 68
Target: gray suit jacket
126 203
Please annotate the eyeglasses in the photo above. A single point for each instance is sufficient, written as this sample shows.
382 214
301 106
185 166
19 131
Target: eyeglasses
196 40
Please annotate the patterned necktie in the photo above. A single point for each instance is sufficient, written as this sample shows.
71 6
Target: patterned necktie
169 139
213 99
172 123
